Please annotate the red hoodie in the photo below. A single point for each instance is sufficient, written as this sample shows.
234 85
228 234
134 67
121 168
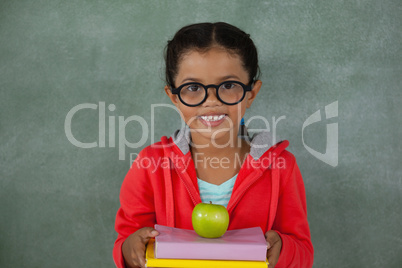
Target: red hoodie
161 187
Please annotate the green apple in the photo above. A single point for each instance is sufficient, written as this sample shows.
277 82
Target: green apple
209 220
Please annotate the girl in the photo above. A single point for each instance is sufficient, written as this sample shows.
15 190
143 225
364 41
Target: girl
212 78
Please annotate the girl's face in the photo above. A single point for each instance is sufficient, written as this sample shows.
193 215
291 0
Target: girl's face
212 120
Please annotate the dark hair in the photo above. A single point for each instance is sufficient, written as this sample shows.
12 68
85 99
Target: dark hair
203 36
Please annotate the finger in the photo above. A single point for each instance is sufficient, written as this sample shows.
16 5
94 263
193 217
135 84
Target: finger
138 254
273 255
274 244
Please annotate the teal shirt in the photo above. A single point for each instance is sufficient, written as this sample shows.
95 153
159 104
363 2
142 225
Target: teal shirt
217 194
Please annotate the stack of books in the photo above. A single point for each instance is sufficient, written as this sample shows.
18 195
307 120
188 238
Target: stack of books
175 247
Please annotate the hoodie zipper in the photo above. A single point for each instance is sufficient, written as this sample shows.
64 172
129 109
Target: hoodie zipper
179 172
188 190
168 152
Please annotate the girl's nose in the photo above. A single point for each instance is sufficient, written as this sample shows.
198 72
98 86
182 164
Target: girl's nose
212 98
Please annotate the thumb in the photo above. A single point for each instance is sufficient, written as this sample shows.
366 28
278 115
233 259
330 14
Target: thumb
148 233
271 237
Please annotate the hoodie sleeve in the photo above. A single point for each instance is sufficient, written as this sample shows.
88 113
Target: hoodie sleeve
136 207
291 222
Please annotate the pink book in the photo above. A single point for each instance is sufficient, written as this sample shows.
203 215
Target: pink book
244 244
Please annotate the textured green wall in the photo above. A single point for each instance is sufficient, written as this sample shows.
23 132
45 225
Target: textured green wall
58 201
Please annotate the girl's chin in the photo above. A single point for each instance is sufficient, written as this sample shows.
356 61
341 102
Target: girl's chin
211 130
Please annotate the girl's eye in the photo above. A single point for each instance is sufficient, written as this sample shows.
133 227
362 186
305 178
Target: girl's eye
193 88
228 86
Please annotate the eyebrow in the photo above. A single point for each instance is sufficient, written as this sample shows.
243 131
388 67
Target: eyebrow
223 78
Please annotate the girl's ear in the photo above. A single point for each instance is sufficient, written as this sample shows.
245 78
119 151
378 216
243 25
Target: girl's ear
253 93
172 97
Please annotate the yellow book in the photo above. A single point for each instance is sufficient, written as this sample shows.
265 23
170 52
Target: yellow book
151 261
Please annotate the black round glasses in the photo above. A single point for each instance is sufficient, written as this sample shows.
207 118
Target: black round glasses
228 92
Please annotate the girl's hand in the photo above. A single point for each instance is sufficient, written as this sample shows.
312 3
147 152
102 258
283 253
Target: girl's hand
274 243
134 247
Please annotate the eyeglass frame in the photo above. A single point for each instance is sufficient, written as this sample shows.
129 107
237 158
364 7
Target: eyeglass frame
246 88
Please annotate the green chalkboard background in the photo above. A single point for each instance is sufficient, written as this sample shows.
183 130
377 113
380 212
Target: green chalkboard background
58 201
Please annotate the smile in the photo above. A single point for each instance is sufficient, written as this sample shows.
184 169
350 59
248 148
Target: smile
212 118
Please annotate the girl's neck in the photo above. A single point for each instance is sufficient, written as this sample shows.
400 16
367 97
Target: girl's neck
218 147
232 151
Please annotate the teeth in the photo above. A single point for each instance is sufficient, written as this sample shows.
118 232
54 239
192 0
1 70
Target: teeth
213 117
